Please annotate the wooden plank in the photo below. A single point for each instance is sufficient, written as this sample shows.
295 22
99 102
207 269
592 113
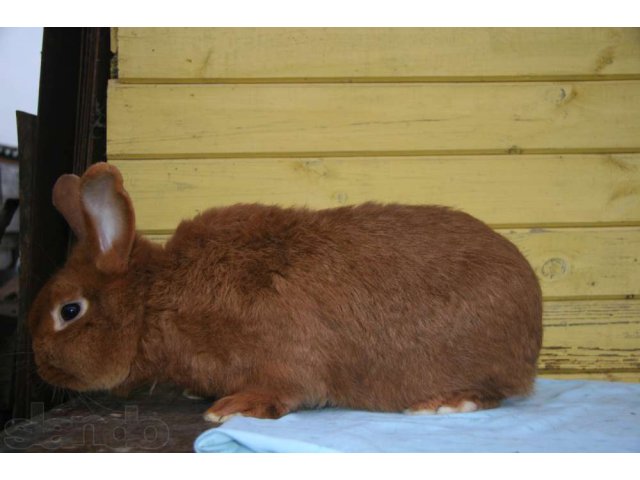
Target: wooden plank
70 136
94 67
22 391
375 54
501 190
582 262
576 263
628 377
591 335
162 121
44 233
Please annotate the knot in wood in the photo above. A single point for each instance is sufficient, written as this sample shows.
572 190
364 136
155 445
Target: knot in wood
554 267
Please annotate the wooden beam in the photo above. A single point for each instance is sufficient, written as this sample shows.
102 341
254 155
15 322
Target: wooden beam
72 89
200 121
506 190
591 335
91 115
610 376
23 379
199 55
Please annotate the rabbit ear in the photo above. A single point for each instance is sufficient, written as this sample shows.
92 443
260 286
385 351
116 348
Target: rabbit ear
109 217
66 199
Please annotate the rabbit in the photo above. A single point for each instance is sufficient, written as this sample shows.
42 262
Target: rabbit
270 310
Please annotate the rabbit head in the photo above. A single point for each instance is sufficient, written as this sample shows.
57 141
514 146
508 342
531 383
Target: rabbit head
85 321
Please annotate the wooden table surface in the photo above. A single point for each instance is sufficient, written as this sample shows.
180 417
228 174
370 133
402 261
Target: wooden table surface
164 421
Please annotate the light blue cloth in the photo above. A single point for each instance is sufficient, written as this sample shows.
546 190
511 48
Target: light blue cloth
561 416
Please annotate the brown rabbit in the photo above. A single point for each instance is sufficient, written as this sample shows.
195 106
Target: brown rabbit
378 307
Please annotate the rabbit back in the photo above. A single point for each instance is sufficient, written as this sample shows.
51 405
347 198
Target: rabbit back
374 306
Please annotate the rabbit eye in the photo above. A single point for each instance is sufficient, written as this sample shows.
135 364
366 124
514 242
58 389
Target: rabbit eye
70 311
67 313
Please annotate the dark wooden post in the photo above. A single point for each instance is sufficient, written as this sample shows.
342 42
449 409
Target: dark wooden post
91 115
71 134
25 382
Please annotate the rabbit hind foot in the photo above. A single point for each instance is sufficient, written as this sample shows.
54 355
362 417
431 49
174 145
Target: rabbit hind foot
459 403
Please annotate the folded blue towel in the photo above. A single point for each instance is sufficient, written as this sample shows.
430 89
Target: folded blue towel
561 416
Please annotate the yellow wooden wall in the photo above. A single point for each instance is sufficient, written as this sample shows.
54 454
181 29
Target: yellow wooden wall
535 131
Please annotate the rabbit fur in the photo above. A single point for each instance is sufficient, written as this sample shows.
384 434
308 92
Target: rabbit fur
270 310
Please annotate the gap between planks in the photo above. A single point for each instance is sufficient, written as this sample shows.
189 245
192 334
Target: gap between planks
512 151
355 80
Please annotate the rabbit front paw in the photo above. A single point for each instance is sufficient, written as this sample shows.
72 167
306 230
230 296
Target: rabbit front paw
246 404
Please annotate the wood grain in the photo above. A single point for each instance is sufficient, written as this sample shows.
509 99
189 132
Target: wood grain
614 376
535 131
582 262
591 335
501 190
155 121
374 54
